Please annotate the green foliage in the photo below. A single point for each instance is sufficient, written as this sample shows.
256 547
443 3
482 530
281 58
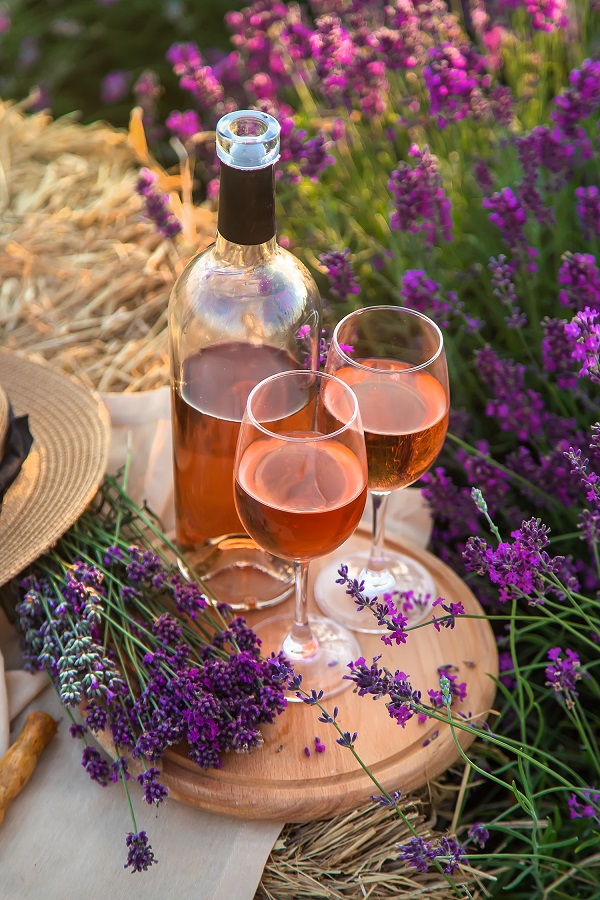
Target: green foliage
74 44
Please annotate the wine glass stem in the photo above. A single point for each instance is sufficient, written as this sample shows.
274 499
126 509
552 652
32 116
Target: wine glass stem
300 642
376 561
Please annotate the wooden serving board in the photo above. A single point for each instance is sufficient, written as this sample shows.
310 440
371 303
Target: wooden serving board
280 783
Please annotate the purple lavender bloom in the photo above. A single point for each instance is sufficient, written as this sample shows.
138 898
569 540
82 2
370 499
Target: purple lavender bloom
547 15
563 673
589 519
519 409
309 155
456 78
423 294
154 791
588 210
586 808
342 280
95 765
518 569
140 854
115 86
194 77
184 125
507 214
556 353
584 333
418 853
421 205
575 104
505 291
157 208
5 21
580 281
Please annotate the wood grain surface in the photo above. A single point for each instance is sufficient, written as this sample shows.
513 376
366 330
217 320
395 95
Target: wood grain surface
280 782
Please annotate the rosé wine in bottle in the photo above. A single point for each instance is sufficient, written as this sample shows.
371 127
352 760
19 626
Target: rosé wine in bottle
241 310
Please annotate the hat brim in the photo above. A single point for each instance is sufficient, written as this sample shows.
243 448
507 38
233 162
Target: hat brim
71 436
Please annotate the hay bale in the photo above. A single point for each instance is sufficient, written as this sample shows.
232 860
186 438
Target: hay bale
84 278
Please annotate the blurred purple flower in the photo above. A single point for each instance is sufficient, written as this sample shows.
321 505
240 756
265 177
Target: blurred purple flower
588 210
505 291
580 281
115 86
157 205
184 125
420 202
456 79
576 103
584 333
195 77
507 214
557 353
342 280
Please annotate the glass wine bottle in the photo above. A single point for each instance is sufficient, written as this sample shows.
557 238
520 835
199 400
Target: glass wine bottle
242 310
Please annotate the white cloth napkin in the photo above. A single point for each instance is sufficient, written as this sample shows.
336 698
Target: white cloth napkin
64 832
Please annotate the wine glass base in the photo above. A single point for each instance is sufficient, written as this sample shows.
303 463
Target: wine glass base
402 574
324 670
240 573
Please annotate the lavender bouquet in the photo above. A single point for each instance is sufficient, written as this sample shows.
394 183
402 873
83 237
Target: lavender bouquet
140 655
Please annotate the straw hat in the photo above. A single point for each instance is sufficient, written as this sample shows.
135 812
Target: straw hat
59 477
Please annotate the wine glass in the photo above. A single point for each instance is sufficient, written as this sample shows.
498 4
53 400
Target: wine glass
300 486
394 360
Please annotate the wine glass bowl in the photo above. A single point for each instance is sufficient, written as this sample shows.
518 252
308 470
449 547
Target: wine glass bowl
300 486
394 360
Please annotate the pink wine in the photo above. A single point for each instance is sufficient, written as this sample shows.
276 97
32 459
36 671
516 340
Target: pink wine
405 419
300 500
206 422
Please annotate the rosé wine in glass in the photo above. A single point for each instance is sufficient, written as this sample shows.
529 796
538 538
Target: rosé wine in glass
393 359
300 486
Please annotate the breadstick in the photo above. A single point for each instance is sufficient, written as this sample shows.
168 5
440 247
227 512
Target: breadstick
19 761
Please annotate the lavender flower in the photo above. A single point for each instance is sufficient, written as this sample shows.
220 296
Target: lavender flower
563 673
195 77
479 834
586 808
420 204
140 855
584 333
580 281
505 291
157 205
507 214
456 78
519 569
342 279
588 210
577 103
154 791
517 408
115 85
184 125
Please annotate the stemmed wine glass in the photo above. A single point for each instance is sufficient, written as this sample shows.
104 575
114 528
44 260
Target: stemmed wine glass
394 360
300 486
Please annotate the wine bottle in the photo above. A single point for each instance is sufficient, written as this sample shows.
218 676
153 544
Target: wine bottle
241 310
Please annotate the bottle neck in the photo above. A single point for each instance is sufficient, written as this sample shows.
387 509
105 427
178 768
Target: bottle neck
247 206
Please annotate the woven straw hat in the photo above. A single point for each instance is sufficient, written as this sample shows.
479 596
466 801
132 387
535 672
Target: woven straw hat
61 474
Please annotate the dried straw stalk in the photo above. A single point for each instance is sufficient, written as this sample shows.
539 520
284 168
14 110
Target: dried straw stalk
84 279
354 857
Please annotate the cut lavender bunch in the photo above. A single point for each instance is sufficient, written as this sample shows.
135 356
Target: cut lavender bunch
139 652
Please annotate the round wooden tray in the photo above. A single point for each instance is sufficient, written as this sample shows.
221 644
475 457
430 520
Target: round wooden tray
280 783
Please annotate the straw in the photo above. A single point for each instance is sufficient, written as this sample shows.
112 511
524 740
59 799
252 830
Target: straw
84 278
